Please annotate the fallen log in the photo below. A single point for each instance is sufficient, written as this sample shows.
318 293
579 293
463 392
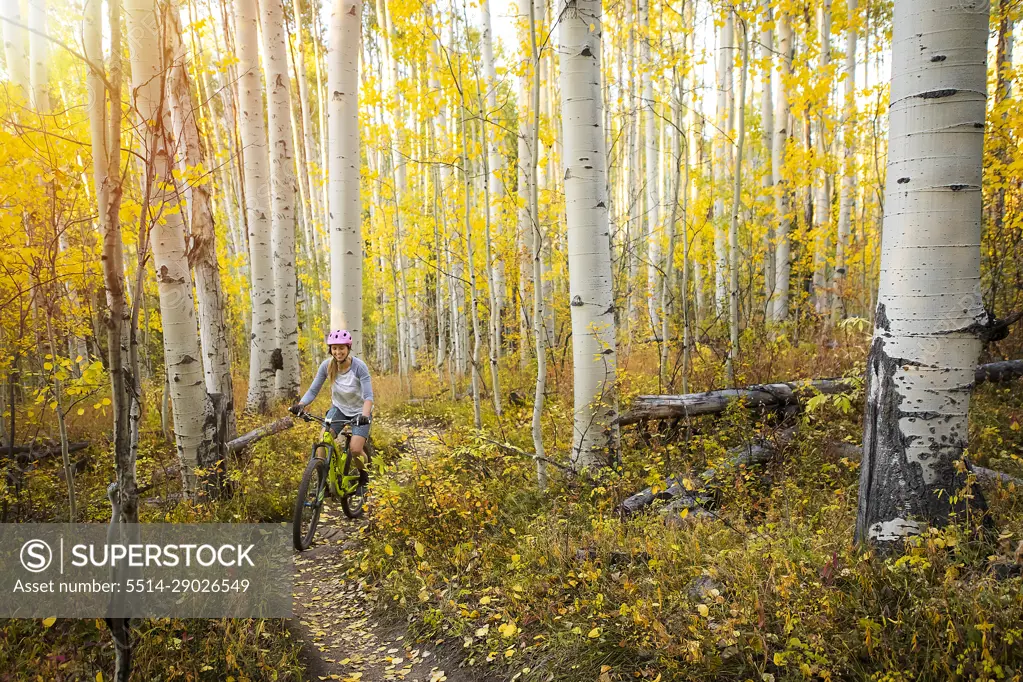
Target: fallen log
35 451
773 395
244 441
747 455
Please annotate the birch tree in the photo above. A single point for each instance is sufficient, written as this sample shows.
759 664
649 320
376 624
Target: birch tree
723 113
822 183
16 46
782 199
194 425
38 54
203 252
848 189
343 173
526 161
282 196
767 125
589 249
733 228
262 371
653 199
920 370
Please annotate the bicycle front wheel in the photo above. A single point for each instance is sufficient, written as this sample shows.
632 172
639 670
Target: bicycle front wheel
309 503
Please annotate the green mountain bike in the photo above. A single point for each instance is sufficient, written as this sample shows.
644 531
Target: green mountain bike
331 469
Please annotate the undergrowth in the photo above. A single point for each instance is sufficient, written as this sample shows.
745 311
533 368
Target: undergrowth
768 586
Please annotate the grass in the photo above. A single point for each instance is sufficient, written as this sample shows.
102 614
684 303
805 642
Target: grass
557 586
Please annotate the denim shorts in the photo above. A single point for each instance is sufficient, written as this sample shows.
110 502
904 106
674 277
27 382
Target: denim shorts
334 413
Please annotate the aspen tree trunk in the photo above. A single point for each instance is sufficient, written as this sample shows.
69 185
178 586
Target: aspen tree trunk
687 214
733 228
397 124
38 49
344 160
767 124
257 208
848 189
667 282
493 191
203 253
194 423
724 115
822 183
321 114
782 194
495 182
653 199
495 319
589 249
637 179
438 133
16 52
526 160
470 258
308 139
122 356
282 195
920 370
539 318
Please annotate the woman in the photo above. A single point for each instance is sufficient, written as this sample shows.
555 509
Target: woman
351 393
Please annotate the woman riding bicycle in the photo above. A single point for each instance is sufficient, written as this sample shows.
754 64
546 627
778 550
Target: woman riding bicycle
351 393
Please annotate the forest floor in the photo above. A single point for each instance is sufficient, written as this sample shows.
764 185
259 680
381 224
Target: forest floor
335 623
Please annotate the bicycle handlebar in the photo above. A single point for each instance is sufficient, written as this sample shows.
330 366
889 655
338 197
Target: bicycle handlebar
305 416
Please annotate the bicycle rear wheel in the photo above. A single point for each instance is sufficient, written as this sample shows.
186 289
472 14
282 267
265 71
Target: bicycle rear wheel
353 499
309 503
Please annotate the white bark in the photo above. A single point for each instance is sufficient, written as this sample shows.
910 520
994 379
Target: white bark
725 59
589 250
344 160
539 318
395 121
495 179
733 228
653 199
203 253
526 160
257 207
847 197
16 46
782 196
194 426
312 155
38 47
767 125
822 181
282 195
921 366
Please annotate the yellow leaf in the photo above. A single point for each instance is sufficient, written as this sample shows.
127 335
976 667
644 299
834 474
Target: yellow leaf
484 601
99 676
704 611
388 550
47 622
420 548
594 633
80 412
684 513
508 630
47 366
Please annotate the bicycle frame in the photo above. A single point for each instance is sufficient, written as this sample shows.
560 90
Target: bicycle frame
335 465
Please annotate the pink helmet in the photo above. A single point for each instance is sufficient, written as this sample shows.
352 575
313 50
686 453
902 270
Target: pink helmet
339 336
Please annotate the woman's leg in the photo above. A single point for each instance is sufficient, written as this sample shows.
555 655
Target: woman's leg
357 447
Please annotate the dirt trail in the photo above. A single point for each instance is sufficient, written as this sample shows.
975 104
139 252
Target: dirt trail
341 640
